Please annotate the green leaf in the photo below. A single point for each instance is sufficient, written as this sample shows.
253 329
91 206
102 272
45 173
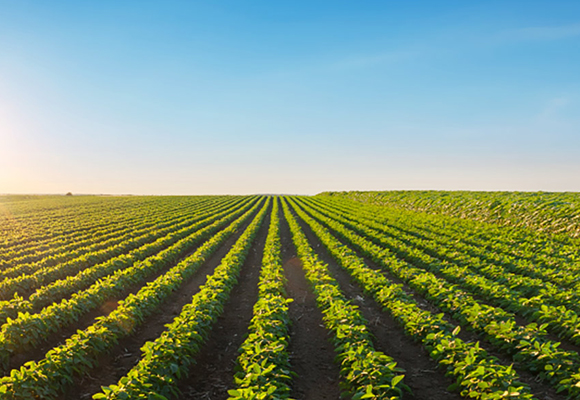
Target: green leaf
397 379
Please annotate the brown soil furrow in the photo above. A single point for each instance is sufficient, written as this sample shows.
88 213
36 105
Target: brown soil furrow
422 374
565 344
539 389
212 375
124 355
86 320
311 352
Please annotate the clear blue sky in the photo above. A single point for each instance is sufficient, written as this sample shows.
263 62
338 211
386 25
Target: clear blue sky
167 97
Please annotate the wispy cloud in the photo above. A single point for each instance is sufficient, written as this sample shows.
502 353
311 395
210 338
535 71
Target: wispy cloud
372 60
552 108
544 32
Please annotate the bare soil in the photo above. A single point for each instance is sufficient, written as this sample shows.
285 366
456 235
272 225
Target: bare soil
125 355
38 352
311 352
415 377
422 374
212 375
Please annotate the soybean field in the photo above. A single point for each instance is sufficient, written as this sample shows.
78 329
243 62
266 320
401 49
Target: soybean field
355 295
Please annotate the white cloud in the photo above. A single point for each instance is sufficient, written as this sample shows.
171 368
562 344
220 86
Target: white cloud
544 32
552 108
371 60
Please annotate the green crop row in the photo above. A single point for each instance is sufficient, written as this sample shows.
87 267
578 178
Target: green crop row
150 244
28 330
549 212
168 358
365 372
48 378
527 345
522 244
496 264
477 374
69 218
263 370
537 302
68 262
66 251
468 246
39 249
42 219
46 249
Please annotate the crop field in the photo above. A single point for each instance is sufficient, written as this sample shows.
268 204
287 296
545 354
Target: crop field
355 295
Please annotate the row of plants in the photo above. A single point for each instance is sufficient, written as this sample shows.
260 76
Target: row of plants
101 218
476 373
263 366
98 240
28 330
26 284
499 243
16 257
61 249
520 244
548 212
365 372
527 345
32 217
50 377
41 248
36 224
543 304
454 247
534 246
62 288
167 359
106 213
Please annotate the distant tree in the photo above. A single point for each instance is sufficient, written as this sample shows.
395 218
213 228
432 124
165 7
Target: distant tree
69 194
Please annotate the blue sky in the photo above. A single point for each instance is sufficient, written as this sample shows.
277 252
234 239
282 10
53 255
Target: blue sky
150 97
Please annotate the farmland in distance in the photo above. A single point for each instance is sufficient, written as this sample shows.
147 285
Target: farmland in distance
359 295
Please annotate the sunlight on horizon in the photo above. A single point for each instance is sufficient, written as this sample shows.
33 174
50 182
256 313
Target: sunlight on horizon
293 98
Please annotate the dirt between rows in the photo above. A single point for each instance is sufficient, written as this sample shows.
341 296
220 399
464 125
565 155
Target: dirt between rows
311 352
126 353
38 352
212 374
540 389
422 374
